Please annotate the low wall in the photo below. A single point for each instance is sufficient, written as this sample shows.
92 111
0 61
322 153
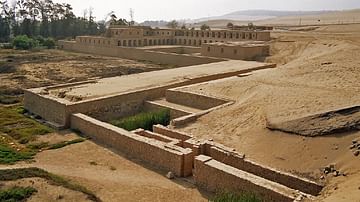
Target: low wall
157 153
192 99
170 133
215 176
138 54
156 136
234 159
229 157
174 113
178 50
41 104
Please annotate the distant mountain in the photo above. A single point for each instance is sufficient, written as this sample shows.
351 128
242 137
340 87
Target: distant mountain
254 15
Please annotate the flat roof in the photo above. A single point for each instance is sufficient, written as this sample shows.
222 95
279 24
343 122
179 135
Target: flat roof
121 84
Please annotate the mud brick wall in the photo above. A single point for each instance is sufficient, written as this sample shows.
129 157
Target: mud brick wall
45 107
215 176
157 153
192 99
229 157
138 54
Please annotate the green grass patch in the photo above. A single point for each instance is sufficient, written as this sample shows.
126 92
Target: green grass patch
15 174
18 126
65 143
233 197
15 194
144 120
10 156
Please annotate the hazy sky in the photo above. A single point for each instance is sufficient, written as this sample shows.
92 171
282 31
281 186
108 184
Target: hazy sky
186 9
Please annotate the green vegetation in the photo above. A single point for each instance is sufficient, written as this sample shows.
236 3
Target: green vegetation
144 120
9 155
65 143
232 197
19 127
15 174
15 194
23 42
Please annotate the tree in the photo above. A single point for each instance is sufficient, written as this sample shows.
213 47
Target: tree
173 24
205 27
46 18
230 25
251 26
183 26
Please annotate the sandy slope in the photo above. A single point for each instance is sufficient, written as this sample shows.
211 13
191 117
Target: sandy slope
317 71
339 17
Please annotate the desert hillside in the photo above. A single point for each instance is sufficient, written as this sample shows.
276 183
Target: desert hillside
338 17
317 71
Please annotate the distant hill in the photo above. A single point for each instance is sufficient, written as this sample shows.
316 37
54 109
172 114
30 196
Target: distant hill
263 17
254 15
270 17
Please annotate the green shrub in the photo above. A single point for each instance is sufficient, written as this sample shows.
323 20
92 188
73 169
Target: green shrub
9 155
144 120
20 127
40 39
49 43
24 42
233 197
66 143
16 194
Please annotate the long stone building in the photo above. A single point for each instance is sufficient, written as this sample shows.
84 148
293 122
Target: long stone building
138 36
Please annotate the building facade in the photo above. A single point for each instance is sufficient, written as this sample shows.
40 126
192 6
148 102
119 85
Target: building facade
146 36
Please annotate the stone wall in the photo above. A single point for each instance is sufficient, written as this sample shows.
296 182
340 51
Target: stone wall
49 109
215 176
174 112
138 54
158 153
236 160
235 52
193 100
178 50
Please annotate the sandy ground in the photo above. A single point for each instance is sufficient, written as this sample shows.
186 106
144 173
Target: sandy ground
46 192
29 69
112 177
318 70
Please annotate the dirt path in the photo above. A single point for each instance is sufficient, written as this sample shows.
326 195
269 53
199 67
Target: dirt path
110 176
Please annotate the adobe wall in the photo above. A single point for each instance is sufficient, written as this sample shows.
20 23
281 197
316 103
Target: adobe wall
217 177
192 99
45 107
157 153
138 54
171 133
234 52
178 50
232 158
174 113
